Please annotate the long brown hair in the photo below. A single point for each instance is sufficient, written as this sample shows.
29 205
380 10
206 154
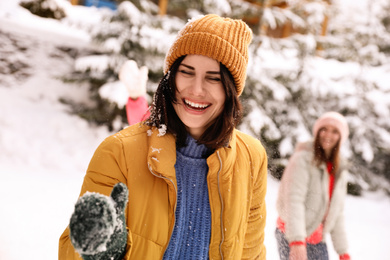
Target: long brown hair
320 156
219 133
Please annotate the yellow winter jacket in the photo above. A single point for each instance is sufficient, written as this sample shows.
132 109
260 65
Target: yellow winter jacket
143 158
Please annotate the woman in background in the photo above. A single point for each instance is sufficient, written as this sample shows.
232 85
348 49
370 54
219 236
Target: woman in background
311 194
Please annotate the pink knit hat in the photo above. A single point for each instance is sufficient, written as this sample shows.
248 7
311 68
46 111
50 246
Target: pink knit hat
334 119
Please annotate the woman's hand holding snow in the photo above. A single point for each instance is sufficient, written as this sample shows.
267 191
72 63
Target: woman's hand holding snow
98 226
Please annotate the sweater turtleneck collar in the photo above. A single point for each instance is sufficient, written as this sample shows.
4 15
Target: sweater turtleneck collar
194 150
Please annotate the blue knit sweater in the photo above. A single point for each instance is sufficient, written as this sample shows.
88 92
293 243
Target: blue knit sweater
191 234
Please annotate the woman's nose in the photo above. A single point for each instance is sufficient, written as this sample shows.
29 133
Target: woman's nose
197 87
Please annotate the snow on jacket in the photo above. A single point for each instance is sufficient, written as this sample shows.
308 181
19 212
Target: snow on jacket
143 158
303 199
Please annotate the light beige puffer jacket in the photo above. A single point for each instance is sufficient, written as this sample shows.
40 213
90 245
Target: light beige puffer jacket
303 199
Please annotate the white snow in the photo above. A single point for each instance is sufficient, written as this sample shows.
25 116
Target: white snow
45 150
162 130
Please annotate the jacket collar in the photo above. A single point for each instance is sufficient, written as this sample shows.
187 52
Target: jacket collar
161 153
223 158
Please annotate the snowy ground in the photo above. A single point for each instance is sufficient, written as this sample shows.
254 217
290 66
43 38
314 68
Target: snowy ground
44 150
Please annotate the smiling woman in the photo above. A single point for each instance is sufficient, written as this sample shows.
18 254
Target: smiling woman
193 186
312 193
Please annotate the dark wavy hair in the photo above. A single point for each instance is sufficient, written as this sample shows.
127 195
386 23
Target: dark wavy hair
163 113
320 156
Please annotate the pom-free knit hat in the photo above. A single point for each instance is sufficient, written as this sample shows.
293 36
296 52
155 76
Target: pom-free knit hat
334 119
222 39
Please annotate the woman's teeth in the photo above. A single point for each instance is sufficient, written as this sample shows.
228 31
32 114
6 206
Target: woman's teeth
195 105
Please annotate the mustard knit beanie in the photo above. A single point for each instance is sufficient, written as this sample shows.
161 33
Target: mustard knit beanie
222 39
334 119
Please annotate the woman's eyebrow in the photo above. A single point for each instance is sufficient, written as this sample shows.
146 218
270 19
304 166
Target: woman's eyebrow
192 68
187 66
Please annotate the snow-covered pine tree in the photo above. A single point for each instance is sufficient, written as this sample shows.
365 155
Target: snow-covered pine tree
291 83
365 40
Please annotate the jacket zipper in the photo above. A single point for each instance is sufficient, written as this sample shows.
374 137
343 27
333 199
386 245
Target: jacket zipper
220 197
174 211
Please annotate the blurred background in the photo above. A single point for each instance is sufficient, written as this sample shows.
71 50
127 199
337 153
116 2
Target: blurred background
60 96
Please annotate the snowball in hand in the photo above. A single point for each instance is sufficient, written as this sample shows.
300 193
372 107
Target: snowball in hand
134 78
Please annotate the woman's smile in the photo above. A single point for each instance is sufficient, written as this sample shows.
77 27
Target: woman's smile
191 105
